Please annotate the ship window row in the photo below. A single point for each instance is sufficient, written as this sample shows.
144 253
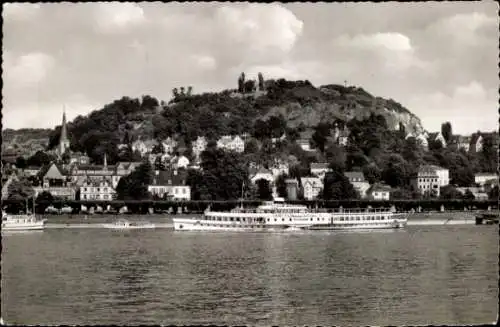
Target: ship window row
236 219
215 225
362 218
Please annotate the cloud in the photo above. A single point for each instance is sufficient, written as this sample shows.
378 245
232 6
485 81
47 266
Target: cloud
422 55
204 61
20 11
389 41
259 28
27 70
288 70
115 16
469 107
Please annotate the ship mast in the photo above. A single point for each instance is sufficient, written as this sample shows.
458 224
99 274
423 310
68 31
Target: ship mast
241 199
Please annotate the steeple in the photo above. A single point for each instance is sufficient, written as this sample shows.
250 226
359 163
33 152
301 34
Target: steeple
105 162
63 140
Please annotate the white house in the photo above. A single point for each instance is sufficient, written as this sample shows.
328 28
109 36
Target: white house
169 145
101 191
170 184
304 141
143 147
380 192
319 169
275 140
357 179
431 178
462 142
304 144
311 186
262 173
279 167
31 171
341 136
180 162
482 178
231 143
199 145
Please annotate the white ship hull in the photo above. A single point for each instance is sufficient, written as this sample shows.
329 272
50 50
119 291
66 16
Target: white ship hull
21 226
123 225
193 224
111 226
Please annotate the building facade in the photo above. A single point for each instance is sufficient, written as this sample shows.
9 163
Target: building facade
482 178
312 186
97 191
230 143
170 184
357 179
431 178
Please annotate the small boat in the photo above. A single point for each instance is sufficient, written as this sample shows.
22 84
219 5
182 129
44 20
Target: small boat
125 224
487 219
22 222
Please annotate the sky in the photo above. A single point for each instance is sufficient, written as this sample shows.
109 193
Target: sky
440 60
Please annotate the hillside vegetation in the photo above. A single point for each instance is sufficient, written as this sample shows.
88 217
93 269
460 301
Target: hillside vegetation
299 104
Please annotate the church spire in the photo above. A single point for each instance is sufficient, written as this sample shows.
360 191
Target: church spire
63 140
105 162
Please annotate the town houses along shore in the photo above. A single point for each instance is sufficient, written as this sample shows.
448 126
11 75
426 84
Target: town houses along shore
332 162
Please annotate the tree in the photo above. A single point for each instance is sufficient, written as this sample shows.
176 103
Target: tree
240 84
39 159
264 191
249 86
175 93
135 185
468 195
261 82
446 131
337 187
372 173
223 168
21 162
182 90
20 190
281 185
44 200
493 194
189 91
449 192
321 133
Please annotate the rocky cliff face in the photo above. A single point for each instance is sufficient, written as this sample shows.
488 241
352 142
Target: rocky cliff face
346 103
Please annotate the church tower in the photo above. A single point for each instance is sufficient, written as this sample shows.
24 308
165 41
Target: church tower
63 140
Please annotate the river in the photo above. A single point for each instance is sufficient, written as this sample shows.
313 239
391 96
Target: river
422 275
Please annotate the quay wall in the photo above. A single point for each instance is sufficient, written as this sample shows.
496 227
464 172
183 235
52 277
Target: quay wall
144 207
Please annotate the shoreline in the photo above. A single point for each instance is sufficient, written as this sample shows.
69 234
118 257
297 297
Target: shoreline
418 222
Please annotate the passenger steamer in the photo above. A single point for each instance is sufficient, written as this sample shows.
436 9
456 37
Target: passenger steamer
280 216
22 222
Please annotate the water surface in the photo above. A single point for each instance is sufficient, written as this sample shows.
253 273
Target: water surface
418 276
